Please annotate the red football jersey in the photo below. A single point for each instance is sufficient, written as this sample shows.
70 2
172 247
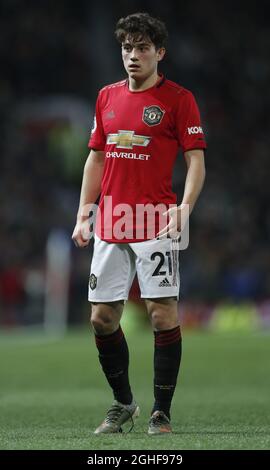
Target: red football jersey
141 134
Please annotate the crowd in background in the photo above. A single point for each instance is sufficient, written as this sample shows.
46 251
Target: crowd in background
54 57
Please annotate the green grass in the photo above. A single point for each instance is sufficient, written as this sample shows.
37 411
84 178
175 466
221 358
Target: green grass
53 394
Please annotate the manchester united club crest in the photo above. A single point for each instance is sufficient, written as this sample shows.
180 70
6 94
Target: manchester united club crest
152 115
92 281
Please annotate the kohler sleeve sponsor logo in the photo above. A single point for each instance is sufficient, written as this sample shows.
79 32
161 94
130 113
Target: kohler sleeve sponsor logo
195 130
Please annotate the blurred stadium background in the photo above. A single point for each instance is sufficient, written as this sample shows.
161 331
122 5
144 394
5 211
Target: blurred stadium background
54 58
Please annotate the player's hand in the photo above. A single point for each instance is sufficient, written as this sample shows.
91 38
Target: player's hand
177 218
81 233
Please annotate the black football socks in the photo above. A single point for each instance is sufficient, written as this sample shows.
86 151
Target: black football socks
167 358
114 359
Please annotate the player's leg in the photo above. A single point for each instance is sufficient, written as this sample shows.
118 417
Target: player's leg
167 357
112 348
112 271
158 275
114 359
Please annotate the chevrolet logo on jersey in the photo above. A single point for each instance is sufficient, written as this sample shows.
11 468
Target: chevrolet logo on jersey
127 139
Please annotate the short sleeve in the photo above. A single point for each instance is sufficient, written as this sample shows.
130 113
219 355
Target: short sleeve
189 130
97 138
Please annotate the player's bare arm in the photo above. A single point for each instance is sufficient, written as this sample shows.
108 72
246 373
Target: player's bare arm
193 186
90 190
195 177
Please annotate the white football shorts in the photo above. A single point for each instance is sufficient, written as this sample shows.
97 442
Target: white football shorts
114 266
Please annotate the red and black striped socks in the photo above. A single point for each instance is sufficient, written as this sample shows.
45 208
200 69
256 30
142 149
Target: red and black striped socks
167 358
114 359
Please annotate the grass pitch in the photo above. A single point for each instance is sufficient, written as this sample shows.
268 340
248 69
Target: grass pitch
53 394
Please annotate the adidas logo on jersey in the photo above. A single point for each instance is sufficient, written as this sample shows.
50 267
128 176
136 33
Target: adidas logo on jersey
110 114
165 283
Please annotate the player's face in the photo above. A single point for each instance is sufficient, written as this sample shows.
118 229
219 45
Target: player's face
141 58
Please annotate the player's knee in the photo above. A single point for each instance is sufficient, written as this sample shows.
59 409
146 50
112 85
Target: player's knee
164 319
159 321
102 320
100 324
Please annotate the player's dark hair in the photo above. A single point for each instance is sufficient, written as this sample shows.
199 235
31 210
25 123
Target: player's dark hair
139 26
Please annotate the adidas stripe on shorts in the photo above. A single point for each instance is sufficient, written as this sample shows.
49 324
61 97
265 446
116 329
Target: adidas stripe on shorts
114 266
